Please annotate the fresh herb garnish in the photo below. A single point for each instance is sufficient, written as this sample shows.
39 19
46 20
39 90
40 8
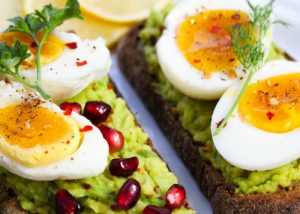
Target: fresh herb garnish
247 42
42 22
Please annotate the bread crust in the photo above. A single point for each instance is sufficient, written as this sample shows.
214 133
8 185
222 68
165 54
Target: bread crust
210 180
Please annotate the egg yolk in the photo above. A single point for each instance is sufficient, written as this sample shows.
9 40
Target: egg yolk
273 104
52 49
205 41
35 136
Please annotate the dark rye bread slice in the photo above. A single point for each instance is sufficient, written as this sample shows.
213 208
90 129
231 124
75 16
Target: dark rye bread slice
209 179
8 199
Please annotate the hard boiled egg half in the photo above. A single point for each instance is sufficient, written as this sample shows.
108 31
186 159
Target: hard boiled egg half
69 64
263 132
195 50
39 142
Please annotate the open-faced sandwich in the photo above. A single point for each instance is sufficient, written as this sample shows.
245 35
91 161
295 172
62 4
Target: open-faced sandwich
87 155
206 70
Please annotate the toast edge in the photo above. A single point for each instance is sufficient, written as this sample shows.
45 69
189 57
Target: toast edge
209 179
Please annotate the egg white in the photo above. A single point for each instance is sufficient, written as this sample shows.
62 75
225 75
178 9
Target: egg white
247 147
62 78
184 76
89 160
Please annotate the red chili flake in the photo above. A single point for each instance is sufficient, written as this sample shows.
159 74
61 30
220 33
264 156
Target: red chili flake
68 142
82 63
197 60
215 29
68 111
86 186
270 115
71 45
86 129
33 47
110 86
220 122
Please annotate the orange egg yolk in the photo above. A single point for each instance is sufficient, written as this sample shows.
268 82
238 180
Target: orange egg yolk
273 104
205 41
35 136
51 50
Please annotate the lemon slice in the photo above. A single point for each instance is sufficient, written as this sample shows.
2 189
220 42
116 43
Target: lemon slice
88 28
122 10
9 10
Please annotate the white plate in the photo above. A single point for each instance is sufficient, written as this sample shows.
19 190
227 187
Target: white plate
288 39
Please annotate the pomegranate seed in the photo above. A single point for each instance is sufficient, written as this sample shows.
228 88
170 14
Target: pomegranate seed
129 194
82 63
71 45
175 196
96 111
150 209
123 167
76 107
86 129
113 137
65 203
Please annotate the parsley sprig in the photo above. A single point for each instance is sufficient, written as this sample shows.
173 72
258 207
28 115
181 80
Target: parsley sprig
44 22
247 42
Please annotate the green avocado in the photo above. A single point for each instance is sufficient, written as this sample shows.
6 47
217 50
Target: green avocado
195 116
153 174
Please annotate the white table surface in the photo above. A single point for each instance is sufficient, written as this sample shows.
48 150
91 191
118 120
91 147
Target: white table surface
288 39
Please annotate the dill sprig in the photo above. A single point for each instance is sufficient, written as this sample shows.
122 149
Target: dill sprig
44 22
247 43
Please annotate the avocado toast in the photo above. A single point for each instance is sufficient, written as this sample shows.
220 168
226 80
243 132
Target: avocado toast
230 189
118 170
99 192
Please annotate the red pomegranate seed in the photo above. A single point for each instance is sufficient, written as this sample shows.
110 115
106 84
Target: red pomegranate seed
96 111
86 129
113 137
76 107
129 194
175 196
65 203
123 167
82 63
151 209
71 45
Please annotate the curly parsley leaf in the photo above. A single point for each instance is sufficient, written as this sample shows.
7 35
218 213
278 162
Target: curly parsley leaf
10 59
44 22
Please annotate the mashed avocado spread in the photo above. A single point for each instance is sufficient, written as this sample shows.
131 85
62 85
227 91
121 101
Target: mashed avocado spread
153 174
195 116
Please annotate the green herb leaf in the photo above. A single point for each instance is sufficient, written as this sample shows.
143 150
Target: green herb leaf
10 59
247 42
44 22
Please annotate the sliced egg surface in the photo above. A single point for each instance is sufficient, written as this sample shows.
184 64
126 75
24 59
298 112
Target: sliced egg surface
195 50
39 142
69 64
263 132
